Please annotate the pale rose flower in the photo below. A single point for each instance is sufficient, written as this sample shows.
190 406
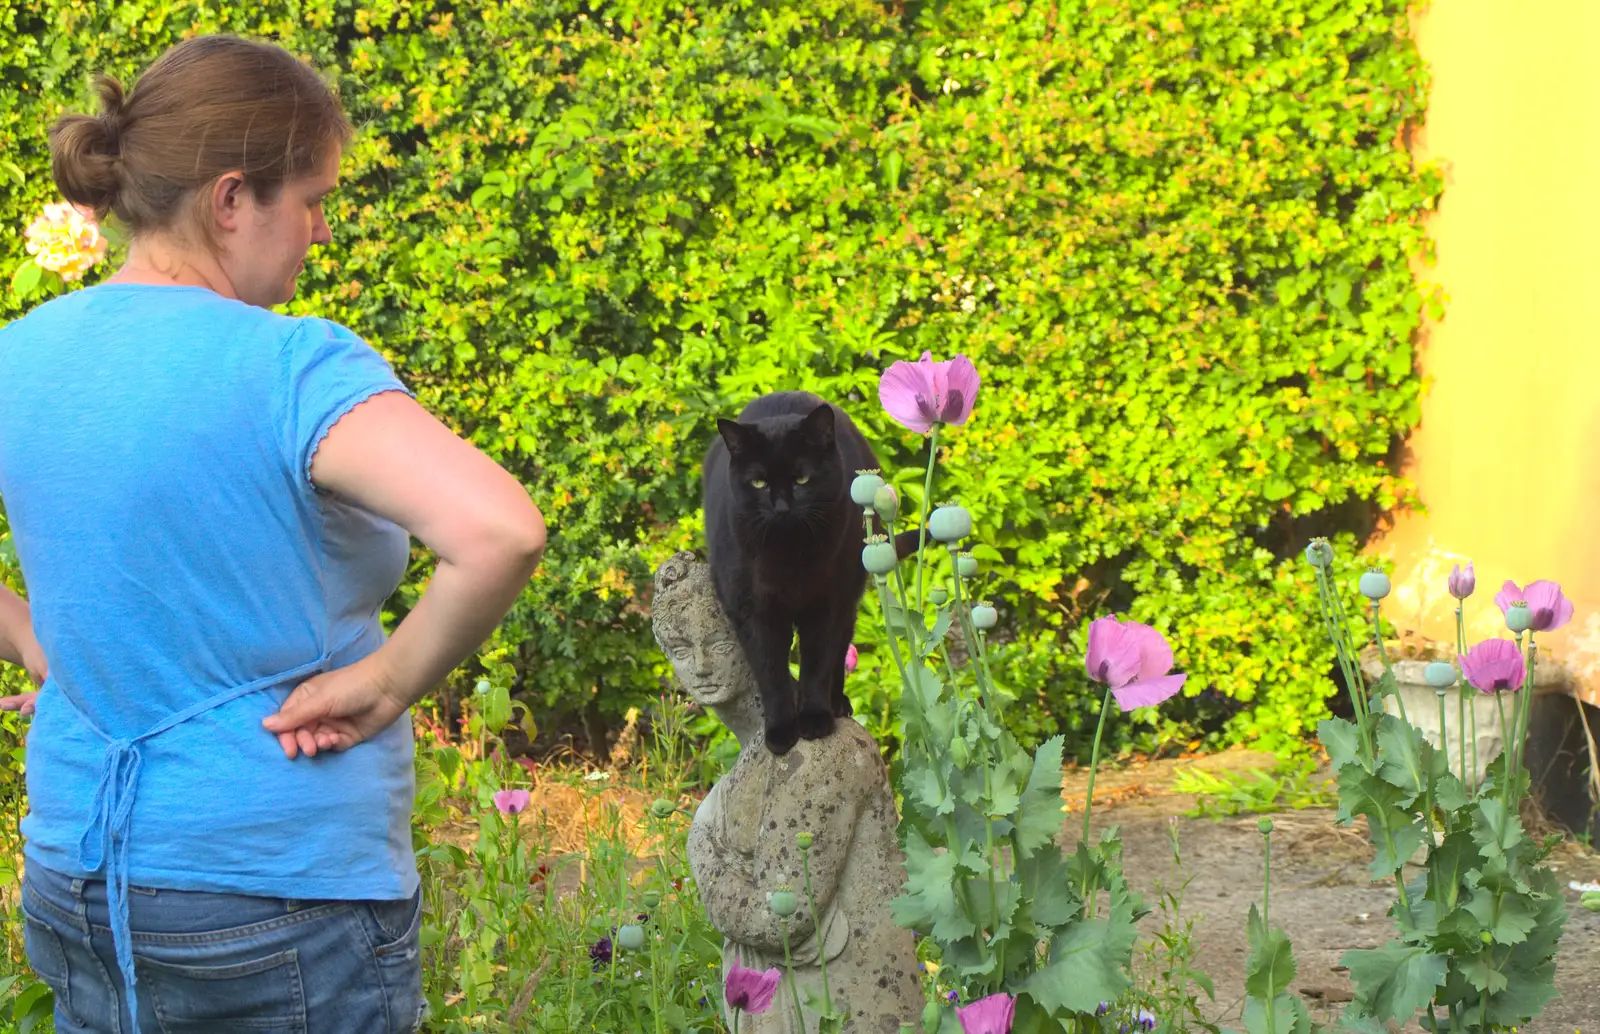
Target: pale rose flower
65 240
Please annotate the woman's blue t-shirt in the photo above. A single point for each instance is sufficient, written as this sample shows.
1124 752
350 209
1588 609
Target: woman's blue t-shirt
155 454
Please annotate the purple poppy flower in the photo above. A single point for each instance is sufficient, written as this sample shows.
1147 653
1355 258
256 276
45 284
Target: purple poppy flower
1494 666
992 1015
921 394
600 953
1550 608
1134 660
851 659
1462 582
751 990
511 802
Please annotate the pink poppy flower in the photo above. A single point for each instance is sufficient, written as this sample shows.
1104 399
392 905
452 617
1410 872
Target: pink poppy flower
751 990
1494 666
1134 660
1462 582
991 1015
1550 608
921 394
851 658
511 802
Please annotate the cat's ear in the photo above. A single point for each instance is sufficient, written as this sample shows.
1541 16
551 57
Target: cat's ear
818 426
739 438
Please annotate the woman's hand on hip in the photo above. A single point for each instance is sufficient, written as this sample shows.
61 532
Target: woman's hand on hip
337 710
22 702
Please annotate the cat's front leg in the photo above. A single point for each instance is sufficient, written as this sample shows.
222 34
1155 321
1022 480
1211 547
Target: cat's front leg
766 641
824 640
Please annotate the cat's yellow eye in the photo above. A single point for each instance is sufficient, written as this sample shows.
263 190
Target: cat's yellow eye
802 479
758 483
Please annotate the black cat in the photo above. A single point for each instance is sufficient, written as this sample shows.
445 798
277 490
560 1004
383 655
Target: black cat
785 542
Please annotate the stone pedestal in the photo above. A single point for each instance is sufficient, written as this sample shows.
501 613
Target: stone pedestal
743 846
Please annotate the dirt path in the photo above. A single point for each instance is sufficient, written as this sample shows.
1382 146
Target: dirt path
1321 893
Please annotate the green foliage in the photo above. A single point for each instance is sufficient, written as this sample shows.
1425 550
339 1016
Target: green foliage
510 917
1478 929
986 880
1290 784
1175 239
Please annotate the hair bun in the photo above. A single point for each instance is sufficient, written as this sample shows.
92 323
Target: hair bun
86 150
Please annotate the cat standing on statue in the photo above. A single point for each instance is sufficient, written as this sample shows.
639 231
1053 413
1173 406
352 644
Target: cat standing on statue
785 542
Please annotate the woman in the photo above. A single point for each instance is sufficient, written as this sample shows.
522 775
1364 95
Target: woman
210 502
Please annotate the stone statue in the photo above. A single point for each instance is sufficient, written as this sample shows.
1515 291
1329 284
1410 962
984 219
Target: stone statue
742 842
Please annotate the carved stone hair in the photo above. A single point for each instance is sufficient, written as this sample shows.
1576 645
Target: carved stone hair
681 578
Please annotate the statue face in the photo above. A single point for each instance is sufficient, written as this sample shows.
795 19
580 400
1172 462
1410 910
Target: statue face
704 653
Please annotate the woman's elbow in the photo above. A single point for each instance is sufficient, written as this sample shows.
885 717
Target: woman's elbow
507 537
525 539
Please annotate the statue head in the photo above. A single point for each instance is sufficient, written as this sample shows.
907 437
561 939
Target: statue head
695 635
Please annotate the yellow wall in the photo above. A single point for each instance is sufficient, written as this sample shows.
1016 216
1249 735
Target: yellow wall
1508 455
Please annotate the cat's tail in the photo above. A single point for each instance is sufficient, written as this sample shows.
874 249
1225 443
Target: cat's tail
905 543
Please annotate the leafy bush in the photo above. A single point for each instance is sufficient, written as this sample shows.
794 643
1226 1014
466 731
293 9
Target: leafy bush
1174 237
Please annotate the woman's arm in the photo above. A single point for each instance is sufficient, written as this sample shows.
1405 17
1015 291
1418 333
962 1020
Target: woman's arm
389 456
17 643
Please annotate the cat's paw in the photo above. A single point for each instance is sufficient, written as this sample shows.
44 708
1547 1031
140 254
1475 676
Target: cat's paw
781 740
815 725
842 708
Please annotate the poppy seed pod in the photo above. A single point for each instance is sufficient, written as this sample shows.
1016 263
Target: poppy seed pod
950 523
1374 585
1440 674
879 556
864 488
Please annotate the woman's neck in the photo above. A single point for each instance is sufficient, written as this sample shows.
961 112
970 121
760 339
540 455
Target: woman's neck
161 261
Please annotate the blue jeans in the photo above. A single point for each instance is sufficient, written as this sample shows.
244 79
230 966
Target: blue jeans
219 963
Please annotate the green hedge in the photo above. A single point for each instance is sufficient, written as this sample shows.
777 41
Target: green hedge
1175 238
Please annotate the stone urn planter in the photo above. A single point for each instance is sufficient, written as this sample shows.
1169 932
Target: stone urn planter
1422 704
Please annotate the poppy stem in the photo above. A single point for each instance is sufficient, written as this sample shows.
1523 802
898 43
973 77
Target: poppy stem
1266 886
1344 650
1088 798
1505 752
788 966
927 506
816 922
1461 707
1444 733
1383 655
1525 704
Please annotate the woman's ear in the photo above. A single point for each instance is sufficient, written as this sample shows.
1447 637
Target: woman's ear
227 200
